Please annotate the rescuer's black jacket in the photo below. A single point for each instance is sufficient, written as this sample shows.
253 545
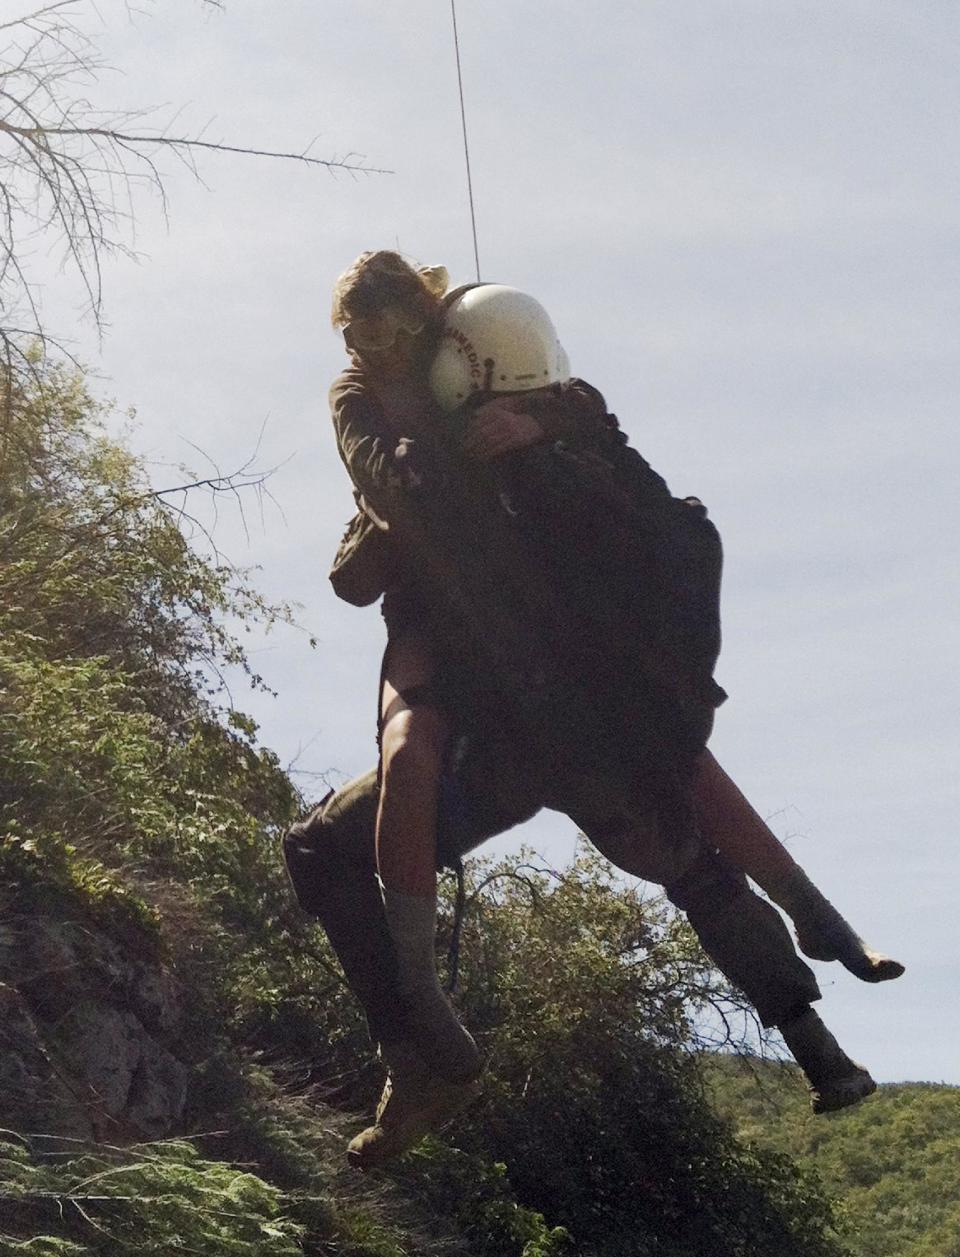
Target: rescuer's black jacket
569 595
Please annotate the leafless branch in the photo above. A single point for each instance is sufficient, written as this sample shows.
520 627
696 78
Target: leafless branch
69 174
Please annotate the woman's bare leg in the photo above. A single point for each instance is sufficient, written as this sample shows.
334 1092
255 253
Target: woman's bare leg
413 737
729 823
412 744
433 1068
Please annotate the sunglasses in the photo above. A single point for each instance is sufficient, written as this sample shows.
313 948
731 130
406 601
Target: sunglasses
380 331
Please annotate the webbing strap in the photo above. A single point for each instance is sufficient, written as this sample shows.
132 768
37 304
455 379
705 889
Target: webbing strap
453 952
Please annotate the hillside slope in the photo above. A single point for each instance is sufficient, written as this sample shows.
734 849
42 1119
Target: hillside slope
894 1162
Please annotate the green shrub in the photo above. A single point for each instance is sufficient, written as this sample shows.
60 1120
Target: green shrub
148 1199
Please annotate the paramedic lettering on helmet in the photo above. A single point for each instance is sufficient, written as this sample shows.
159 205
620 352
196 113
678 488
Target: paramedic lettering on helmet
495 339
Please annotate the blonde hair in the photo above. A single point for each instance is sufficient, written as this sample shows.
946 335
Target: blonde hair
381 277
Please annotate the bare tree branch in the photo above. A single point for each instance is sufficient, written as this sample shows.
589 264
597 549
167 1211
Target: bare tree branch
69 173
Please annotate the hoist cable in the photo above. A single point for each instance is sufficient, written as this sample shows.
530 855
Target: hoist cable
466 147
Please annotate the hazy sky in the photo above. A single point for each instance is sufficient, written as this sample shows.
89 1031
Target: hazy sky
744 220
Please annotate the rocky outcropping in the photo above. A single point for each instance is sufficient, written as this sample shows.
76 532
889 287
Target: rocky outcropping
88 1034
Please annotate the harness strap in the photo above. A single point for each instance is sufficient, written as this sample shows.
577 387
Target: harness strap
453 954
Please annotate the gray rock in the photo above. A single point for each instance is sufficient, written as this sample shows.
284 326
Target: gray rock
158 1091
34 1094
47 965
158 998
102 1048
84 1033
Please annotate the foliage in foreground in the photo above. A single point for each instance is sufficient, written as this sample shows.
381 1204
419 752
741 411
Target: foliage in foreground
149 1199
139 807
120 765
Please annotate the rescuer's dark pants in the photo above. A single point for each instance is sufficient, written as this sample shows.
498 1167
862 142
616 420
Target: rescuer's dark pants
332 864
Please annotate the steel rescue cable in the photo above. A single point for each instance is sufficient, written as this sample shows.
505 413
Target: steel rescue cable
466 148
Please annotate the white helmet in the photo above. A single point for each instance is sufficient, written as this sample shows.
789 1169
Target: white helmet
495 339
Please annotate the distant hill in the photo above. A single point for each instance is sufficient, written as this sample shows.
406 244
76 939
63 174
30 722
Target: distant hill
893 1161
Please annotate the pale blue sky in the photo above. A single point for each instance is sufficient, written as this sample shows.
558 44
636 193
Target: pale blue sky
744 219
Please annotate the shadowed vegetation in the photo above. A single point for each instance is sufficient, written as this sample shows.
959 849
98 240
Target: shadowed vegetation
143 901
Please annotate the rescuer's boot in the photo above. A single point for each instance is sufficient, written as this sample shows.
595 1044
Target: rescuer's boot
415 1101
835 1080
823 934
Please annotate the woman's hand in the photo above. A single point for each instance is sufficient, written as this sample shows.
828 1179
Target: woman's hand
499 426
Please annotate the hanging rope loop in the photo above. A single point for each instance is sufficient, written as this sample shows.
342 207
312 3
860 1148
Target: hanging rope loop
466 147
